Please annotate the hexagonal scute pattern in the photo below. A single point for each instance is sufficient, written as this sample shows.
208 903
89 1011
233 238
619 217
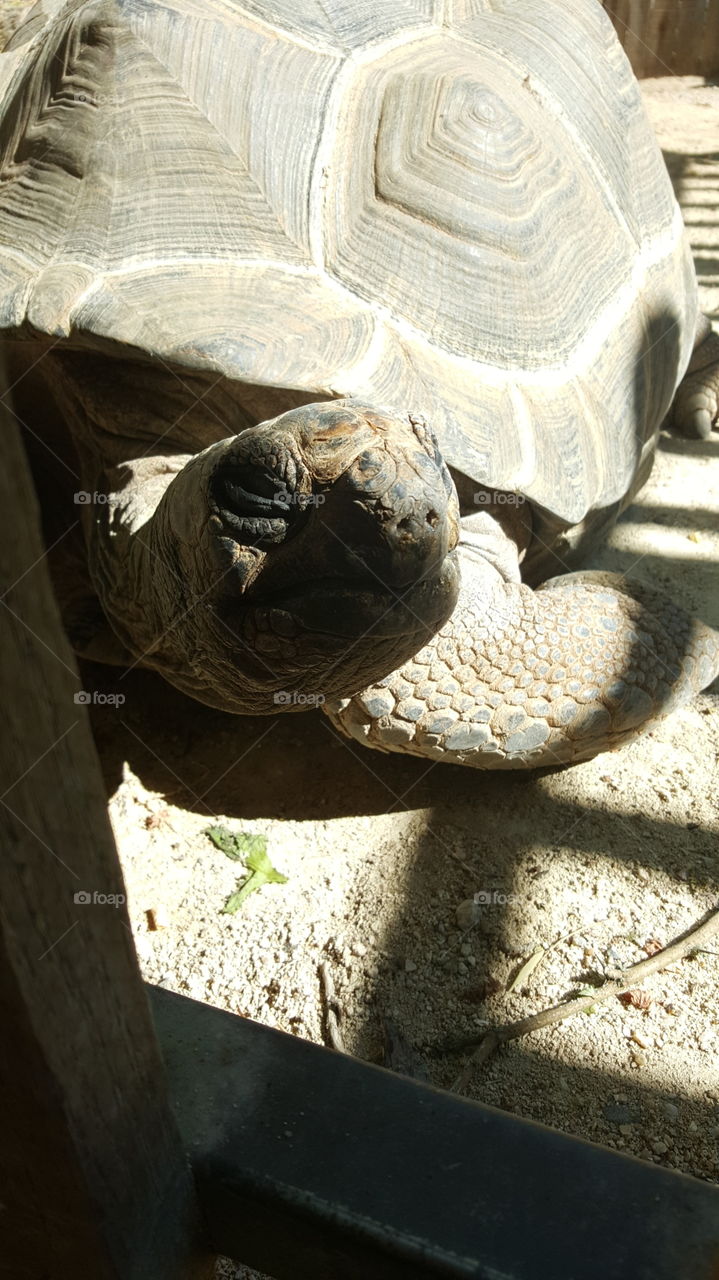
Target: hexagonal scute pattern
453 206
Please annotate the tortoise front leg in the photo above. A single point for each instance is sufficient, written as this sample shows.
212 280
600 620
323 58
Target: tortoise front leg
696 405
525 679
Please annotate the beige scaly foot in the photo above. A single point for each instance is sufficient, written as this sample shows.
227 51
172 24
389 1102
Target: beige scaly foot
519 679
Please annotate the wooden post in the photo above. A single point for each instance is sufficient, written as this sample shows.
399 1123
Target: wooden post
93 1178
668 37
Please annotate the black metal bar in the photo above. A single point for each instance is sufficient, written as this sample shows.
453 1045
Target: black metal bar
312 1164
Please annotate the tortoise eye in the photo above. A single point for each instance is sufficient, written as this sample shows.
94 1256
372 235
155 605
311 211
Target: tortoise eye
250 490
255 504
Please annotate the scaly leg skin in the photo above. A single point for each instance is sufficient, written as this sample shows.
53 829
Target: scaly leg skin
696 405
522 679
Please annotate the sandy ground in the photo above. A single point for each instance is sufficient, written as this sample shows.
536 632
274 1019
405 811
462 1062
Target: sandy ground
380 851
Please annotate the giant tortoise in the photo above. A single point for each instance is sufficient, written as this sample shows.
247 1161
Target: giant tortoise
364 316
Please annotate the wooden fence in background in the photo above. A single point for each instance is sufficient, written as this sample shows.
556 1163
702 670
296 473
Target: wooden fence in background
668 37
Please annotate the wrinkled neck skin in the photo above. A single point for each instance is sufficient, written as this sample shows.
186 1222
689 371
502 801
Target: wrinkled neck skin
132 557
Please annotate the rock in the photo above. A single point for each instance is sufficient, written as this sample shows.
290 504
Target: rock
621 1114
640 1040
468 914
659 1148
670 1110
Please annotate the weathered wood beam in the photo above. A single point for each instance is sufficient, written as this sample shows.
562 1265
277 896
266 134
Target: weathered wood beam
668 37
93 1178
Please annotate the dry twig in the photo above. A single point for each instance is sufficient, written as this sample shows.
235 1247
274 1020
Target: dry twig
332 1009
692 940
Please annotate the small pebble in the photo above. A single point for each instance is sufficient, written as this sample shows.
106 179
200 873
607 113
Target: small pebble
659 1148
670 1110
409 966
638 1058
359 949
465 949
468 914
626 1130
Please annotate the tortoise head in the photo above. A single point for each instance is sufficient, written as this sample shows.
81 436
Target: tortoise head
324 559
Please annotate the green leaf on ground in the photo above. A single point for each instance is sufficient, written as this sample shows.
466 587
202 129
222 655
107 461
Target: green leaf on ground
588 991
236 845
243 846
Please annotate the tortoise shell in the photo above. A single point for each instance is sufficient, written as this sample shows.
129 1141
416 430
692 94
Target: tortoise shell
454 206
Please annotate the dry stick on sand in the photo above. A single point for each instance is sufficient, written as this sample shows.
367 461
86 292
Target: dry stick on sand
334 1035
692 940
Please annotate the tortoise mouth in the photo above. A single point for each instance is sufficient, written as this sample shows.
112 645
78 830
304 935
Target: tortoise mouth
346 608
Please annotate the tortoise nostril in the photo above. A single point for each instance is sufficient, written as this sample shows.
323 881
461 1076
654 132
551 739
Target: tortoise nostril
411 524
